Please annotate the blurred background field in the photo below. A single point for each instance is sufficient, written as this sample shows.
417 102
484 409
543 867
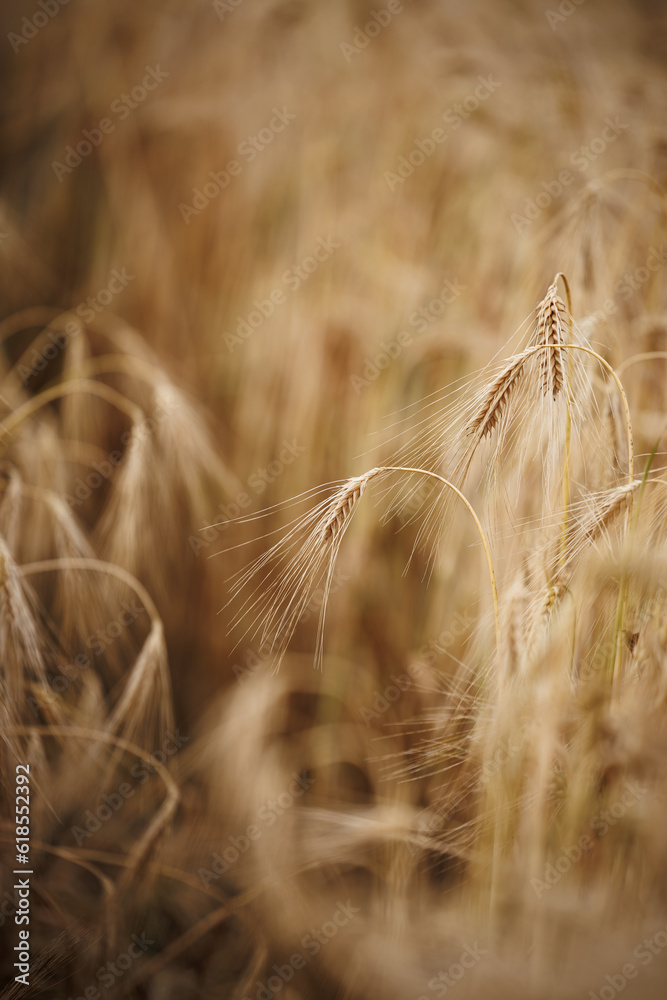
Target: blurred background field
216 365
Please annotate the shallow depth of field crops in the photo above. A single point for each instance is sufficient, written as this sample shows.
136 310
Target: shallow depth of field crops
333 499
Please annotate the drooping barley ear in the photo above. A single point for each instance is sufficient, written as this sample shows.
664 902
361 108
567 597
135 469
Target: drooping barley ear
305 556
606 510
552 325
12 422
491 410
342 506
496 399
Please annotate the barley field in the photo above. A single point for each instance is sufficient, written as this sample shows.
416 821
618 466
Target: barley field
333 500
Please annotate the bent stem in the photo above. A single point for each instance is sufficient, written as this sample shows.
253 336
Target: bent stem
83 563
478 525
106 392
619 385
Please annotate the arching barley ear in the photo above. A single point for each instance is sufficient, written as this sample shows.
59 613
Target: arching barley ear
343 505
606 508
305 556
491 409
496 399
